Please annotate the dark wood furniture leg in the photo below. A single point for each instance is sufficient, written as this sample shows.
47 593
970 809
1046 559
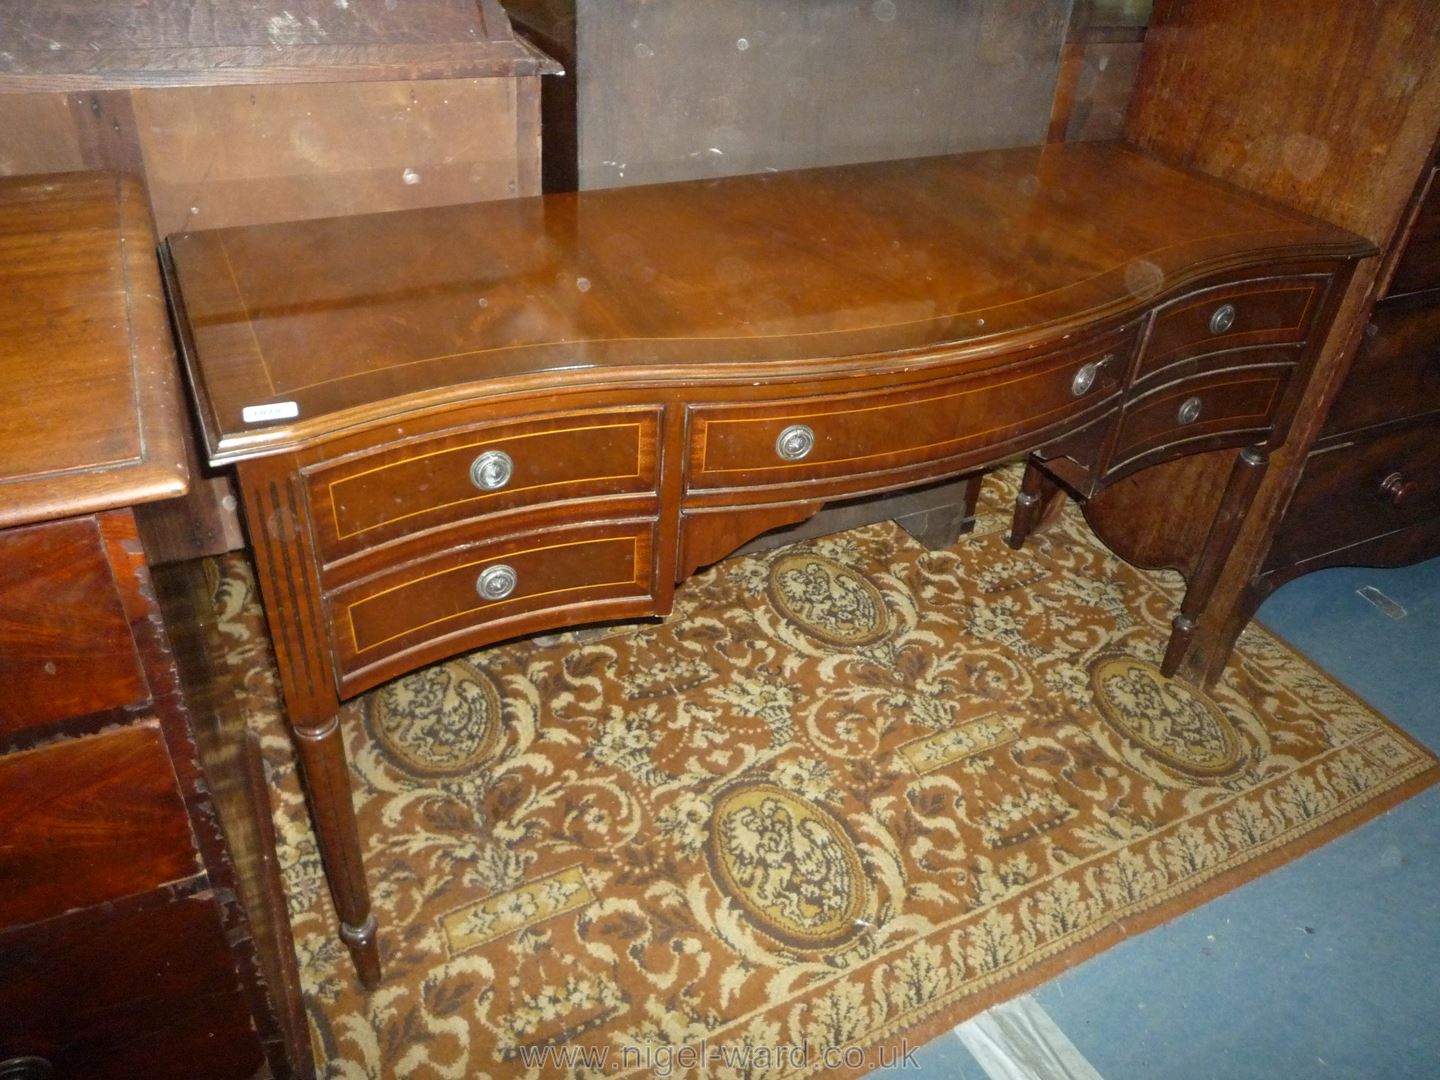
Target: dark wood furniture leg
1245 477
1038 491
282 544
327 790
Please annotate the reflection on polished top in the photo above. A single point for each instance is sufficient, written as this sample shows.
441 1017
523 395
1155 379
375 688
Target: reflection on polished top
342 321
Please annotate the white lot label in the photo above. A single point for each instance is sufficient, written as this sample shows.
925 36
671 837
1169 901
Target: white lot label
276 410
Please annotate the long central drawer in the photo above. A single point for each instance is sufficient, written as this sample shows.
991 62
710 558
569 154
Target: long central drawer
859 435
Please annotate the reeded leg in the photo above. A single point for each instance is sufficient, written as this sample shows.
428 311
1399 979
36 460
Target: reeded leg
327 788
1037 493
1244 480
972 502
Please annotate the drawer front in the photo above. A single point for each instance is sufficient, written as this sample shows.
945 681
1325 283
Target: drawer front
89 820
143 988
1221 409
65 642
468 586
841 435
1396 374
1358 491
1236 315
1419 266
401 489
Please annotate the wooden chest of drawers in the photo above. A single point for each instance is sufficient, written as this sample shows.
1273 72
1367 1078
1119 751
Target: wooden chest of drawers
1369 493
125 946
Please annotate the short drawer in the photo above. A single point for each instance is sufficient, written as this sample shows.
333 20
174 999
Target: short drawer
1220 409
473 593
145 987
861 434
1235 315
90 820
1357 491
65 642
1396 374
398 489
1419 265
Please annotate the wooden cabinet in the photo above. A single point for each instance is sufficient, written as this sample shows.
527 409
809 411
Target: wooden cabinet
125 944
1369 492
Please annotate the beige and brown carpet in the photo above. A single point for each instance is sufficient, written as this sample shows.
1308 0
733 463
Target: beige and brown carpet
848 794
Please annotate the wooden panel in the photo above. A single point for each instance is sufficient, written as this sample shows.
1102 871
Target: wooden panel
39 136
65 642
560 571
693 88
87 821
1397 372
854 434
86 349
1254 92
1343 498
371 498
1230 408
95 43
1419 265
143 988
1263 312
1104 83
237 155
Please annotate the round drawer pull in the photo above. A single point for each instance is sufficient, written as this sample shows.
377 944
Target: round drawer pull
795 442
26 1068
1086 374
1222 318
1189 411
1397 489
492 470
496 582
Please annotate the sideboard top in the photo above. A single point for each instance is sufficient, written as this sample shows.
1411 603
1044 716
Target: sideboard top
313 327
93 415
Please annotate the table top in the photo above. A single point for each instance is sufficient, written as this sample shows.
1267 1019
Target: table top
297 331
93 413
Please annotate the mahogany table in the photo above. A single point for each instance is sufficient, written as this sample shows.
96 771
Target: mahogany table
455 425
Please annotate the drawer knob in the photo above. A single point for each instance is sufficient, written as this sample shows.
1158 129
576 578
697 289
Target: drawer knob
1222 318
496 582
795 442
26 1068
1086 375
492 470
1397 489
1189 410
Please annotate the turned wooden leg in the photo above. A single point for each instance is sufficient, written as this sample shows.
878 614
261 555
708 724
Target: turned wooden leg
327 789
1244 480
1037 493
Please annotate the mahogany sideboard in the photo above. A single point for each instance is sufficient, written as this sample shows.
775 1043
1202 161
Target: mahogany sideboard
124 942
456 425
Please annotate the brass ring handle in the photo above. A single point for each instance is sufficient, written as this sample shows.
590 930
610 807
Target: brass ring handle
492 470
795 442
1397 489
496 582
1189 410
1222 318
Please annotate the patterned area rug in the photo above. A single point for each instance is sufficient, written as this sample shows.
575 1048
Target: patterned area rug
848 794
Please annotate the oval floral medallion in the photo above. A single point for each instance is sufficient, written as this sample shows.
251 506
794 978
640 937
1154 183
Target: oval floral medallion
790 865
442 721
828 601
1174 724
